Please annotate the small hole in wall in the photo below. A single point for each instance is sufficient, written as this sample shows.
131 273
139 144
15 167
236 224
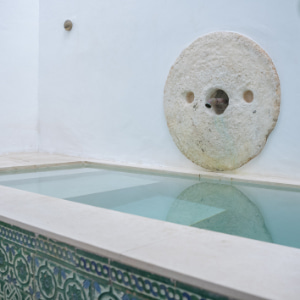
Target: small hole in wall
189 97
248 96
218 101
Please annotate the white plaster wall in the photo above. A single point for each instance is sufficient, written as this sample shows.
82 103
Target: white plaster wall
101 85
18 75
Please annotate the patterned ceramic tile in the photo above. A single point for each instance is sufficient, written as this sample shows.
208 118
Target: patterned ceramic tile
141 284
60 251
94 288
17 235
10 292
35 267
50 278
16 271
190 292
138 284
92 265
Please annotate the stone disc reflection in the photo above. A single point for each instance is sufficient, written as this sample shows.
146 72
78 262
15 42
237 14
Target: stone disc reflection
225 209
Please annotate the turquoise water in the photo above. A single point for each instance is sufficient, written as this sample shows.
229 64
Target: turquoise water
252 211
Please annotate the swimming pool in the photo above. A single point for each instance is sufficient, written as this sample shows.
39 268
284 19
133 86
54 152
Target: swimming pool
258 212
53 248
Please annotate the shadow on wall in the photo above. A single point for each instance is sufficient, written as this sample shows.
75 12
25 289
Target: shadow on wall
234 212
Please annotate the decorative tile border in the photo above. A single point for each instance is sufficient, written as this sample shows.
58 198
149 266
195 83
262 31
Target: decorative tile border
35 267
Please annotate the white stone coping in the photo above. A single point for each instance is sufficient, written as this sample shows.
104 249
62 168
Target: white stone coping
32 161
237 267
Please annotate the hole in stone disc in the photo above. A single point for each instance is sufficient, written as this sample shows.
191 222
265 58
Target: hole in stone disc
248 96
190 97
218 101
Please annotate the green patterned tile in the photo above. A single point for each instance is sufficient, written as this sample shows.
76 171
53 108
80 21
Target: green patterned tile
128 294
16 267
40 268
58 251
10 291
191 292
93 287
17 235
92 265
141 273
5 225
56 282
140 284
4 259
51 278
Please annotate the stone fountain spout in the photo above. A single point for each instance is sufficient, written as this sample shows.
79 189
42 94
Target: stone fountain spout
218 104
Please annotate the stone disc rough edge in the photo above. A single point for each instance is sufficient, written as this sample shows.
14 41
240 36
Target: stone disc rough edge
277 100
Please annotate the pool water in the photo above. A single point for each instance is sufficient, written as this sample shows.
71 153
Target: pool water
251 211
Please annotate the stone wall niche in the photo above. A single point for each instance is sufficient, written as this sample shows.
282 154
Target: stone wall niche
222 100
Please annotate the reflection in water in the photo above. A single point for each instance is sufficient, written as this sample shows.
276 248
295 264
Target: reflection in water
212 206
235 213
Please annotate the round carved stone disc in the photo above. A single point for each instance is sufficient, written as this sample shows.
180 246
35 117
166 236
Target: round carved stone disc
222 100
